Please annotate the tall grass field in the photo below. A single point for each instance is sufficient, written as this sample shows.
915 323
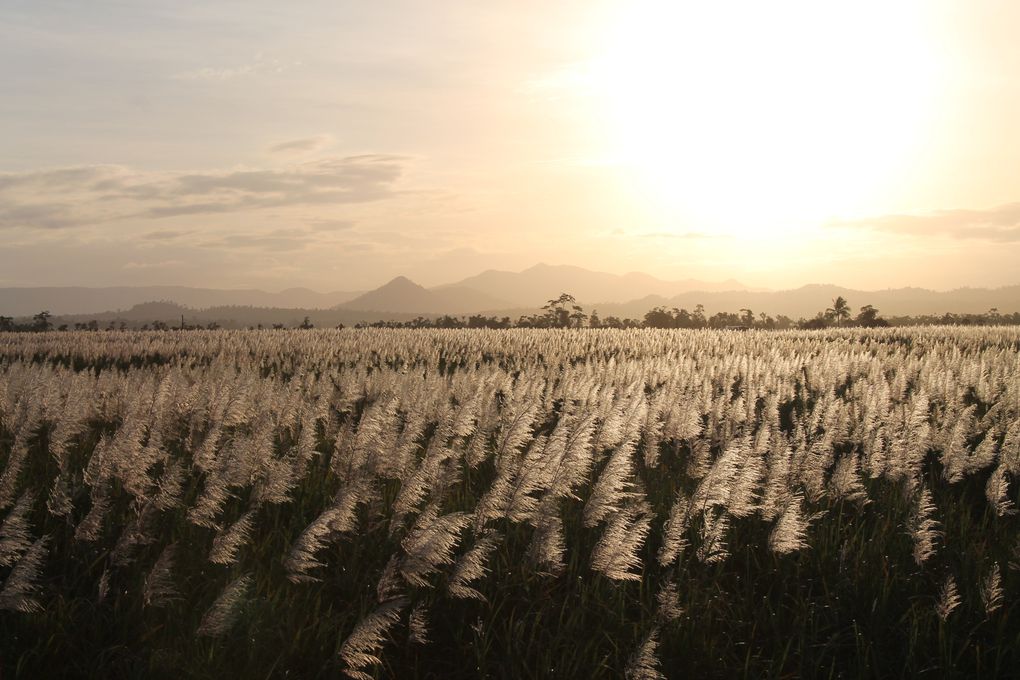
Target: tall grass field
510 504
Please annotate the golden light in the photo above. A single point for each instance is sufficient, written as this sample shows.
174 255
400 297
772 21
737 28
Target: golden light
764 117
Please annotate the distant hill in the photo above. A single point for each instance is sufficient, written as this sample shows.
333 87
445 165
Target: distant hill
403 295
79 300
229 316
493 293
533 287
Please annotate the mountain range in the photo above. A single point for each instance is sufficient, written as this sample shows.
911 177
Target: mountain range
493 293
63 300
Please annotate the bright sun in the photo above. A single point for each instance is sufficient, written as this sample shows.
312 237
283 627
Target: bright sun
761 118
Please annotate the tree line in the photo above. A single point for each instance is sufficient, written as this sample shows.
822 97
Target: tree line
565 312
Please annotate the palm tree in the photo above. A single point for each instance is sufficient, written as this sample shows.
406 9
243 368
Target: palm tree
840 310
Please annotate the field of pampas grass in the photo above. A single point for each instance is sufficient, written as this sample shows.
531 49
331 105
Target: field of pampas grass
510 504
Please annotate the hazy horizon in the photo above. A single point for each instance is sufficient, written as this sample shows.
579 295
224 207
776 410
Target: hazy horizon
334 146
382 281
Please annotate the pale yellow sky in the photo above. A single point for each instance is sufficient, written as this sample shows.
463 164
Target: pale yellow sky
335 145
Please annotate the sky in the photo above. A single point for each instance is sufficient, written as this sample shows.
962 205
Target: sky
334 145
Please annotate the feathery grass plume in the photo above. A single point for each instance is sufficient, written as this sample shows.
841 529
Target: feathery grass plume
674 531
418 624
414 489
170 485
613 487
91 527
160 589
700 460
949 598
277 477
712 549
991 590
956 460
997 492
417 483
718 483
923 527
533 472
368 449
471 567
15 532
876 453
575 465
204 455
336 519
215 493
653 429
390 584
227 542
547 547
616 553
905 461
359 650
985 453
644 663
134 472
668 601
845 482
789 533
515 430
430 544
20 587
224 612
744 494
814 464
777 479
103 588
9 478
139 532
59 502
1009 452
464 422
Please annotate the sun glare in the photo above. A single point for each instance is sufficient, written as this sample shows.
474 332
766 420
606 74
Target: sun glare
759 118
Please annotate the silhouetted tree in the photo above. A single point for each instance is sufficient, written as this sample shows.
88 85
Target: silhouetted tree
839 311
699 316
868 317
6 323
564 313
820 321
659 318
42 321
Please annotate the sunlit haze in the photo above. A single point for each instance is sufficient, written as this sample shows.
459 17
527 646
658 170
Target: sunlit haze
335 145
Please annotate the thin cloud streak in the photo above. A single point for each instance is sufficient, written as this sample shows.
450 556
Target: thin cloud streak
65 198
1001 224
303 145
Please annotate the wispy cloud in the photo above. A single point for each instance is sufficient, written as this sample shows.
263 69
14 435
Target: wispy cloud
258 66
303 145
164 235
161 264
1001 224
331 225
277 240
64 198
685 235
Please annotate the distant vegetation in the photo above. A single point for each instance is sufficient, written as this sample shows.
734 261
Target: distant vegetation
560 312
